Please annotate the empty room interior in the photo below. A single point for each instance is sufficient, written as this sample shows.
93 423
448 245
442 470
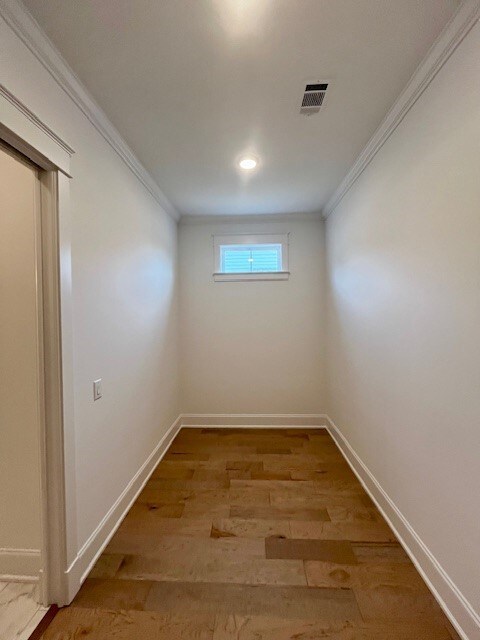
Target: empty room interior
240 319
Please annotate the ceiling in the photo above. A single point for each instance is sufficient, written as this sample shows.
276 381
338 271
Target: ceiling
193 84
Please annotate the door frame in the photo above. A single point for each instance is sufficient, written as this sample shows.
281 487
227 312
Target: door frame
22 130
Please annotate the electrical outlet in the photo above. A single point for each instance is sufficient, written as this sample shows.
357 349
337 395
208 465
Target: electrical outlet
97 389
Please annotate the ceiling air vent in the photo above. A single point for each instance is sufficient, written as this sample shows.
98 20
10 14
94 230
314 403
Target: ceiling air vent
313 98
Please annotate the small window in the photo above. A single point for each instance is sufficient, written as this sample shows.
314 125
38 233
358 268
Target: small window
246 257
253 258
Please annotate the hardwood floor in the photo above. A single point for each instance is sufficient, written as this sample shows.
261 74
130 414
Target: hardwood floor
247 534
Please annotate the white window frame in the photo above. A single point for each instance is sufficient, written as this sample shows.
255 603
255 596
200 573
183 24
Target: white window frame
250 239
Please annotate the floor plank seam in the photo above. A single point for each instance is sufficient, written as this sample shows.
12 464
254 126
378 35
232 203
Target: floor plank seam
263 534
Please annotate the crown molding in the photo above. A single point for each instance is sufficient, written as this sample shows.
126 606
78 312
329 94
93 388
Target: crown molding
31 34
22 108
456 30
260 218
24 131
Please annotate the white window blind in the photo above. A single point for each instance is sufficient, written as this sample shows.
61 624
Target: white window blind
251 257
257 258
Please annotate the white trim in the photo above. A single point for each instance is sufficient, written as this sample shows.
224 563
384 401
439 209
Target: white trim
58 441
457 608
37 141
254 420
460 612
219 241
459 26
245 277
8 577
57 438
20 106
19 564
250 238
96 543
31 34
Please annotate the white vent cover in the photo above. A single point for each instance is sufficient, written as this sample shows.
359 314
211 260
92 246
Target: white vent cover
313 98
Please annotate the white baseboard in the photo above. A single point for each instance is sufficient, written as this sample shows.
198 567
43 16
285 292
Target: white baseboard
460 612
254 420
91 550
19 565
12 577
462 615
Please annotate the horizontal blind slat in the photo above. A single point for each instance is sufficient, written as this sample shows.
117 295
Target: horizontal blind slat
251 258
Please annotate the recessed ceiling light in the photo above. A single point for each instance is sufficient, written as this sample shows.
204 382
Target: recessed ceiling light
248 163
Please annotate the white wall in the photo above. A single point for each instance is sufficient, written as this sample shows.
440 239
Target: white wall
404 317
404 312
252 347
124 297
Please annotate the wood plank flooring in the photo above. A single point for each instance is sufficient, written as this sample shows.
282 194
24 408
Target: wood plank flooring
247 534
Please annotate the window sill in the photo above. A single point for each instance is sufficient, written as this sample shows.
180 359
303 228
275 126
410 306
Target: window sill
244 277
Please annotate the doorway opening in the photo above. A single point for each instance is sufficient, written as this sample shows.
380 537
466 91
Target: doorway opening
33 532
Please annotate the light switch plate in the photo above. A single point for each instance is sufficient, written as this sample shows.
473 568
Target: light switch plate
97 389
